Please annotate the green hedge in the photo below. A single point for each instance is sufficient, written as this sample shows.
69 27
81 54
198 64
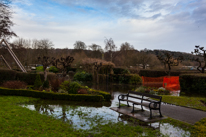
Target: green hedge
193 84
121 78
106 95
160 73
120 71
29 78
6 75
52 96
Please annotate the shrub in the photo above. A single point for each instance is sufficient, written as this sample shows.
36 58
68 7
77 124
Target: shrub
83 76
55 83
140 89
120 71
191 84
50 95
46 84
65 85
40 68
160 73
53 69
73 87
37 83
6 75
135 79
15 84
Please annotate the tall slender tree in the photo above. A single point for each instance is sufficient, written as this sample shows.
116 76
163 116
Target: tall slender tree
5 20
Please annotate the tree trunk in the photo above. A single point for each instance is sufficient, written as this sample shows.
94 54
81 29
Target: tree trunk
45 75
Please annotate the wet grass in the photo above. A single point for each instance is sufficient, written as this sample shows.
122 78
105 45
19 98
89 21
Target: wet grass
192 102
19 121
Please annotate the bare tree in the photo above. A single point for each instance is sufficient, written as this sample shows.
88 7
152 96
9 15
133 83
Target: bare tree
46 61
79 45
111 48
5 20
126 46
96 50
167 59
63 63
200 52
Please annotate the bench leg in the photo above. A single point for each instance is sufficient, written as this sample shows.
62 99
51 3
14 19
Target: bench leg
133 109
160 113
128 104
150 114
119 104
142 108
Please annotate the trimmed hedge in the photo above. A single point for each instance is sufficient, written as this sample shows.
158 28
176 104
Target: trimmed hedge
193 84
106 95
7 75
120 71
160 73
29 78
121 78
52 96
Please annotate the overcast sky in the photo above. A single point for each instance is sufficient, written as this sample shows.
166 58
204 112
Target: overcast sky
176 25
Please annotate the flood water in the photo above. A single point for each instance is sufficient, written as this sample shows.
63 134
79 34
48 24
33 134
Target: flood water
85 115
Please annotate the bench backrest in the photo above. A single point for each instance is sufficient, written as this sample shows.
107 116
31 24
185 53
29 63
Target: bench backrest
145 94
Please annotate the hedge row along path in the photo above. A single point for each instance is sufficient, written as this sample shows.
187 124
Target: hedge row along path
184 114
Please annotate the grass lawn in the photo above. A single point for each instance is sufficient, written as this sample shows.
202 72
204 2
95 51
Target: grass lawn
192 102
19 121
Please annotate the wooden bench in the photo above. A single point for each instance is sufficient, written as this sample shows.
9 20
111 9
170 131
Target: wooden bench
144 101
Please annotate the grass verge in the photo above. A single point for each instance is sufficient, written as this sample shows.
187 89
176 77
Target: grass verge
192 102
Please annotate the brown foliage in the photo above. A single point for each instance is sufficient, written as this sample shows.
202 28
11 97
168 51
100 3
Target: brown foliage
82 91
55 84
14 84
93 60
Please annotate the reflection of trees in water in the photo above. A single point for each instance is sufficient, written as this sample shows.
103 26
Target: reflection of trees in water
44 108
63 116
125 118
47 109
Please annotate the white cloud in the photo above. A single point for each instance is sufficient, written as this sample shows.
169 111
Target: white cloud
159 27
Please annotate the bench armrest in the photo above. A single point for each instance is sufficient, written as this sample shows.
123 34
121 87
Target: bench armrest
122 96
154 104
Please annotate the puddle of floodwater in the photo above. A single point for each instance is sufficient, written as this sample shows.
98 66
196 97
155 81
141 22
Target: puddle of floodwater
85 115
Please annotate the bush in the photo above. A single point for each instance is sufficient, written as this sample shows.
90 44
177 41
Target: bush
193 84
160 73
30 78
7 75
51 96
135 79
46 84
73 88
83 76
65 85
55 83
15 84
37 83
40 68
53 69
140 89
120 71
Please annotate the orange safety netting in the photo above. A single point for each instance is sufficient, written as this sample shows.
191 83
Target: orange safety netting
170 83
152 82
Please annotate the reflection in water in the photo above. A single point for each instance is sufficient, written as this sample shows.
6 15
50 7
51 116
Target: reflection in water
85 115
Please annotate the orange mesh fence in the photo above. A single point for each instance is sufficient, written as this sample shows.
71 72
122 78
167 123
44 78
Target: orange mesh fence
152 82
171 83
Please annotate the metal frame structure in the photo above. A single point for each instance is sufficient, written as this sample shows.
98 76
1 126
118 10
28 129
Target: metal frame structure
13 55
2 57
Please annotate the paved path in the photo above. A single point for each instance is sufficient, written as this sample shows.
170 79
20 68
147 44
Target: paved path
182 113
